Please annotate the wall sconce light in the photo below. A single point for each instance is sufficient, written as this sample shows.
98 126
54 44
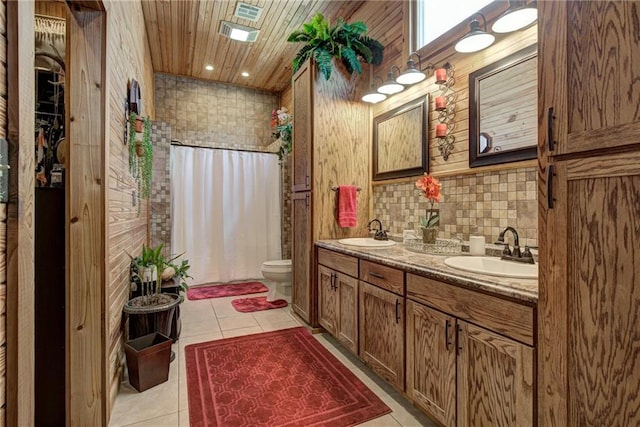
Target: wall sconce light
412 74
476 39
516 17
4 170
374 96
391 86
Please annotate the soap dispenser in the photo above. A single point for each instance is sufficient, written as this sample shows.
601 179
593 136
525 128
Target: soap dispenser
476 243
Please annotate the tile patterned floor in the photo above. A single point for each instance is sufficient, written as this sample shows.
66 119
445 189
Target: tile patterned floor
205 320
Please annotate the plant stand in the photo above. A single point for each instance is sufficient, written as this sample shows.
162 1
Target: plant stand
148 359
144 320
172 286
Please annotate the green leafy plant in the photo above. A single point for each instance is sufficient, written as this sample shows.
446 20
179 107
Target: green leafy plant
281 121
343 41
141 156
180 271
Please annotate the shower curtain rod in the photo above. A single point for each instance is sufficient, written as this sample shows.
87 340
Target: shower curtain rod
180 144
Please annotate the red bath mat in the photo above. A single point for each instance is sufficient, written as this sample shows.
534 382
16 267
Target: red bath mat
247 305
275 378
228 290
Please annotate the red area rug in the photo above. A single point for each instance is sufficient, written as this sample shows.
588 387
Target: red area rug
280 378
247 305
228 290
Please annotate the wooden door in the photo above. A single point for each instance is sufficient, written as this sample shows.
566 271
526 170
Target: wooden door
347 290
495 379
590 294
382 333
431 362
589 304
302 127
327 300
301 283
589 69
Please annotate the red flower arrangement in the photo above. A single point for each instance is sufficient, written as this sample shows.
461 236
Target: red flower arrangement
430 188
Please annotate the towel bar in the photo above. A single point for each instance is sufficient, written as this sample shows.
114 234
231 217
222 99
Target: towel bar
336 189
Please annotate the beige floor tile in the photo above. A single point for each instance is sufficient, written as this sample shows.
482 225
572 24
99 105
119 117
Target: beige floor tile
237 322
199 327
384 421
240 332
273 316
187 315
196 305
171 420
268 326
184 418
132 407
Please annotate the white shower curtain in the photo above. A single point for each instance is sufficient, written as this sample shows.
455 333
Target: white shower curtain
225 212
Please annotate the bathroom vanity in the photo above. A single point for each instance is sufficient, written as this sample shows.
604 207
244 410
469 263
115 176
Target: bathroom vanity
459 345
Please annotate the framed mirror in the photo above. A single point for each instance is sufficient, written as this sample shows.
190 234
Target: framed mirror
503 110
400 141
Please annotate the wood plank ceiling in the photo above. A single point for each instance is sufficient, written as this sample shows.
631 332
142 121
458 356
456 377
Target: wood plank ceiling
184 36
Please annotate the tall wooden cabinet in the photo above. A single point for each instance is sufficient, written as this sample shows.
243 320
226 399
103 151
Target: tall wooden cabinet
589 233
331 140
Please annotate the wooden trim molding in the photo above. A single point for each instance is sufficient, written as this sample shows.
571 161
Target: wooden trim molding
20 215
87 388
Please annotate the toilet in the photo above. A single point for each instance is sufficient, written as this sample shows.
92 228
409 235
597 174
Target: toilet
278 277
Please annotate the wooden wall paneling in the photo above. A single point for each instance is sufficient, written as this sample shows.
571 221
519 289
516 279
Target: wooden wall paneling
129 56
54 9
341 152
286 98
20 214
85 100
464 65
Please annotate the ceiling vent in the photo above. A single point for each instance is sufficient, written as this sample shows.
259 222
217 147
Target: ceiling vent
248 11
238 32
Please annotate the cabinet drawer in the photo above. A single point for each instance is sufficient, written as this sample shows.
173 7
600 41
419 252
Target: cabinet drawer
499 315
339 262
385 277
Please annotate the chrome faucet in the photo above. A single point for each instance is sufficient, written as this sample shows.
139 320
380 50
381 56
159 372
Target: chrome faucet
381 233
516 254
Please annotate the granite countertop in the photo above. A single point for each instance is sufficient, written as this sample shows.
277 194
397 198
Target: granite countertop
432 266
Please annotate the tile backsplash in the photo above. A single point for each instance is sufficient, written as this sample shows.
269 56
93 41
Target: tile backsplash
483 203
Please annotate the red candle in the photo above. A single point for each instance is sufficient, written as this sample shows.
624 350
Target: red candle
441 75
441 103
441 130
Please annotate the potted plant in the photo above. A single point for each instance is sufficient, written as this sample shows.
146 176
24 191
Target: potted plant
150 316
430 188
281 121
174 281
141 155
343 41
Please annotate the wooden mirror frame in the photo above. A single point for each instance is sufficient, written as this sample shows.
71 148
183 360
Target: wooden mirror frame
525 153
423 103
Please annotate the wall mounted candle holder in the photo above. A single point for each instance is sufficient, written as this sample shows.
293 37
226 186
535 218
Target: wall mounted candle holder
445 105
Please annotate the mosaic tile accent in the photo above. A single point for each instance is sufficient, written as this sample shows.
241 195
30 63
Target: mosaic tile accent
214 114
484 203
160 211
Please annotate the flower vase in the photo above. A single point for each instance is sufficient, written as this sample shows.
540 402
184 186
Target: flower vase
429 235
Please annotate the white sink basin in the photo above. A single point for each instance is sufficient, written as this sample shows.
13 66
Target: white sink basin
367 242
493 266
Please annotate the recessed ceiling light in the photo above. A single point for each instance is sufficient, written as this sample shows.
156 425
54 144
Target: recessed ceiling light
208 67
244 74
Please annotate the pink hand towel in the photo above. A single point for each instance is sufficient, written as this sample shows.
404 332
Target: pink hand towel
347 210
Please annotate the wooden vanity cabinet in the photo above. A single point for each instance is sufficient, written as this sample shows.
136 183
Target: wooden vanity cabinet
464 374
382 323
338 297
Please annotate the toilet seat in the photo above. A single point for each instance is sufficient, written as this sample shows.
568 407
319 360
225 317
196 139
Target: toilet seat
277 266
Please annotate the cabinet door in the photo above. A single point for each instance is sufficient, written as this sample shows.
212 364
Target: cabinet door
382 333
301 289
347 289
431 362
302 127
495 379
589 307
327 300
589 75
